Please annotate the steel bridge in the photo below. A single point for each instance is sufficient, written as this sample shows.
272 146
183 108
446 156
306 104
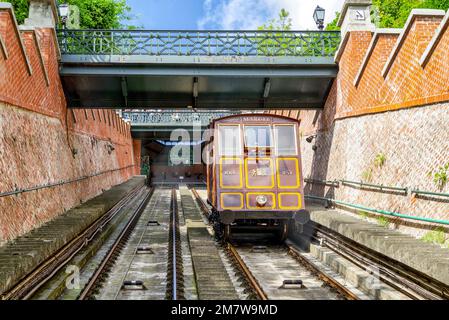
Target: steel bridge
158 124
132 69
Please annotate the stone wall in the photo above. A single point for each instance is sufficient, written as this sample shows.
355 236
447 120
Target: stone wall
391 97
44 143
414 142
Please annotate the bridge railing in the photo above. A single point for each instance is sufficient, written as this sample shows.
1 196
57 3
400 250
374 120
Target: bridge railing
199 43
173 118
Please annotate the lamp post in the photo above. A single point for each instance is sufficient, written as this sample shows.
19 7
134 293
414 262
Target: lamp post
318 16
64 13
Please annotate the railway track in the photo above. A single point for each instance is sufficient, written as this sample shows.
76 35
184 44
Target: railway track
30 284
404 279
137 268
280 272
157 244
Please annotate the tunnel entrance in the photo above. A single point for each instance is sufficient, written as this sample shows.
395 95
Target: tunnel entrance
157 161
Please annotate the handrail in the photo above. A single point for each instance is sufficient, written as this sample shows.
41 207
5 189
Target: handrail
384 212
199 42
60 183
371 185
332 183
430 193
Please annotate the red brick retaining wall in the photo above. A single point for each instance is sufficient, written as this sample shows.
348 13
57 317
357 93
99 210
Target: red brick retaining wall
42 142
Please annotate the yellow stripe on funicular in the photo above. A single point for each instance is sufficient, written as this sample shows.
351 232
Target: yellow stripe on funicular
289 194
240 172
273 198
297 173
231 193
247 174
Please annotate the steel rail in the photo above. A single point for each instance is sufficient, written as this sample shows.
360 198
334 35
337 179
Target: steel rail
321 274
204 209
249 276
409 281
34 280
174 227
123 234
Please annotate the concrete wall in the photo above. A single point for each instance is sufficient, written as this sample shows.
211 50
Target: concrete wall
390 96
42 142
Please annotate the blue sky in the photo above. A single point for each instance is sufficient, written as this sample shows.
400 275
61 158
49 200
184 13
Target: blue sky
225 14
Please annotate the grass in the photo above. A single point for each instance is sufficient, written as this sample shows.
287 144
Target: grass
436 236
367 175
363 214
379 160
383 221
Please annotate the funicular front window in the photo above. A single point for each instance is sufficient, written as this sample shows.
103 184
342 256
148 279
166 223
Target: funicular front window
285 136
229 140
258 137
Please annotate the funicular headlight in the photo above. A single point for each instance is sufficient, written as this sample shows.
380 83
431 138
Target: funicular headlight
261 200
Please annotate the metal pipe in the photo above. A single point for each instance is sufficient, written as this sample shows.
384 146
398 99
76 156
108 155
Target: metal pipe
55 184
430 193
371 185
384 212
333 183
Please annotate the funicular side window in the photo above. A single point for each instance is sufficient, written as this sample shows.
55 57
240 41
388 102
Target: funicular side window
229 140
285 136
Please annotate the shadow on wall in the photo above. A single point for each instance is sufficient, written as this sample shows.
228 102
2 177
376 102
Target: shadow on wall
320 164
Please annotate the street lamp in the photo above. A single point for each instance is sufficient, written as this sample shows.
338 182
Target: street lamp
64 13
318 16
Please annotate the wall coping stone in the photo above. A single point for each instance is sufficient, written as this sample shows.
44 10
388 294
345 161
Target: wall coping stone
374 40
32 30
435 40
6 6
408 25
3 47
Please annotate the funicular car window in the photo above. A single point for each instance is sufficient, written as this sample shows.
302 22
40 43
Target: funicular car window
229 138
258 137
285 137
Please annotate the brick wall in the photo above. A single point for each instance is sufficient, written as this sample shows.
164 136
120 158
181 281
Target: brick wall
42 142
385 100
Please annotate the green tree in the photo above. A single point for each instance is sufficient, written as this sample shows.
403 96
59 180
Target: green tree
94 14
20 9
283 22
102 14
394 13
275 43
332 26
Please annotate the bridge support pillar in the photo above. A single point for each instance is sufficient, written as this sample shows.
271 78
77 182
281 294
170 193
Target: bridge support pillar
42 14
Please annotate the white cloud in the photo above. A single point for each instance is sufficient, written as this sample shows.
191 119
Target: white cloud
249 14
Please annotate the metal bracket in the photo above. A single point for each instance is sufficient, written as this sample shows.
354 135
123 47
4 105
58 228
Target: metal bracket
133 285
144 250
292 284
153 223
